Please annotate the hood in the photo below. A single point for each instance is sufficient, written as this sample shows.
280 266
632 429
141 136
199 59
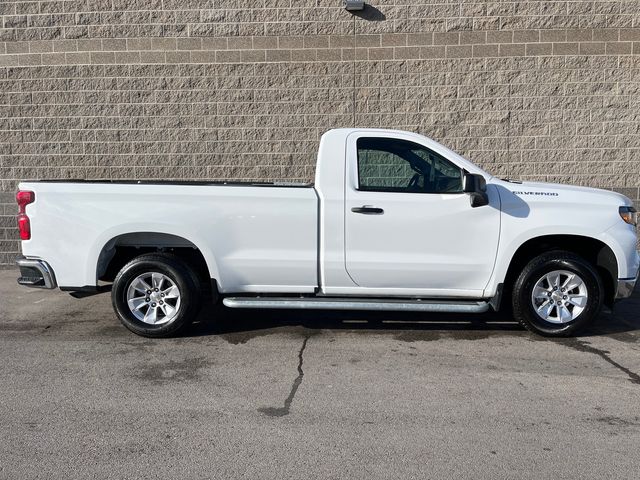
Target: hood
556 192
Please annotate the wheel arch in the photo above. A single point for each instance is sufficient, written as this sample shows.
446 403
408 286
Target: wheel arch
594 251
120 249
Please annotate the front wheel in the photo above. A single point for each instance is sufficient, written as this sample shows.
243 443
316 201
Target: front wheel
156 295
557 294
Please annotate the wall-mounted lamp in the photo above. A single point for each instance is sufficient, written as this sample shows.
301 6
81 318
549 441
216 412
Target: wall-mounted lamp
354 5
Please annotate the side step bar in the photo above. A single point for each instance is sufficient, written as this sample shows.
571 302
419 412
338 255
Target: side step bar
449 306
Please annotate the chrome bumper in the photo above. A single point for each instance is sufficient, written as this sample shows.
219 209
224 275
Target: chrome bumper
35 273
625 287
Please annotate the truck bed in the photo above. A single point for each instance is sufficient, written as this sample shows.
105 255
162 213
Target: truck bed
264 239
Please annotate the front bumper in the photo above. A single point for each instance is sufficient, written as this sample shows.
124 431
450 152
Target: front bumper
626 285
36 273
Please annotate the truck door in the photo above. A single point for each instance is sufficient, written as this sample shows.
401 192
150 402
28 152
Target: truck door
409 226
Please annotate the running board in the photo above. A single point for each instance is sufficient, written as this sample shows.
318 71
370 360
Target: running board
449 306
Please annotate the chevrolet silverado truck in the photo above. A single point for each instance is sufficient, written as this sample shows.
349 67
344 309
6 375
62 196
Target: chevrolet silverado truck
394 221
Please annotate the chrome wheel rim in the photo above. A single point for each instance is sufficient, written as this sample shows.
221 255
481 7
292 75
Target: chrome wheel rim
559 296
153 298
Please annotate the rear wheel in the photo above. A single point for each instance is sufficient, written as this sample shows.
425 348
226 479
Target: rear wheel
557 294
156 295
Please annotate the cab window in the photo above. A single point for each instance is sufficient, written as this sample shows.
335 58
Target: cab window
394 165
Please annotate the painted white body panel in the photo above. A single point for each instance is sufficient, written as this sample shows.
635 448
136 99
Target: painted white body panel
434 244
253 239
301 240
532 209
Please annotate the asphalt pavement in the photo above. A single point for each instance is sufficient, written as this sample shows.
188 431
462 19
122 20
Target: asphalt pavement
304 395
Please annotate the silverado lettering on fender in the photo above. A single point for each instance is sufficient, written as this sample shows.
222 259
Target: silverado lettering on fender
394 221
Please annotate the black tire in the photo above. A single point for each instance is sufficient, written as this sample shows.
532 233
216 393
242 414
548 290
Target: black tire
178 272
523 308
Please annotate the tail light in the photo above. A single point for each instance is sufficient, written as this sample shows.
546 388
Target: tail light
24 198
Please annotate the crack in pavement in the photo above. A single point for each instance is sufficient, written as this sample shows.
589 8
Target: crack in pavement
284 410
583 346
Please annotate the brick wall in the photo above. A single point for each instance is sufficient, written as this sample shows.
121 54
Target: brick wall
193 89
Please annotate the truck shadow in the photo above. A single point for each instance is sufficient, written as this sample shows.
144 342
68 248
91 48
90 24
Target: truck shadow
245 324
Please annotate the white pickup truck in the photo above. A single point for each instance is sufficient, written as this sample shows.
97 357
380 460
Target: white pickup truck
394 221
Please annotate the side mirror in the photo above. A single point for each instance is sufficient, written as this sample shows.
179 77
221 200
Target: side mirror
476 186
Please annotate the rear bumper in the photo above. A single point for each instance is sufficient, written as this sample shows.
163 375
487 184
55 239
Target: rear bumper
36 273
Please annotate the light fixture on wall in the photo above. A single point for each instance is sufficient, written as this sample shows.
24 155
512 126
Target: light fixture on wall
354 5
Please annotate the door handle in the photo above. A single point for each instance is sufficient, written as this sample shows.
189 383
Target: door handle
368 210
